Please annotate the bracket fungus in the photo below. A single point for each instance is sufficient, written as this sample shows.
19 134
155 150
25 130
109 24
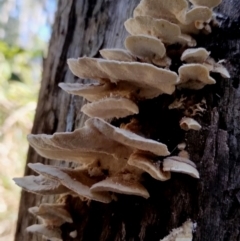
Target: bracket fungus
76 181
40 185
111 107
73 234
169 33
181 165
148 49
201 55
128 138
97 136
84 145
125 183
150 80
194 76
181 146
111 159
52 215
190 20
120 79
143 80
117 54
144 161
97 91
109 150
187 123
183 233
83 68
184 154
49 233
198 55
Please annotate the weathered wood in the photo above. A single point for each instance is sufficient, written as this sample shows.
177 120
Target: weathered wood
83 28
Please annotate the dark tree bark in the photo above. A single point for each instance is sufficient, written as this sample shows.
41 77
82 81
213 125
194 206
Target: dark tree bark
83 28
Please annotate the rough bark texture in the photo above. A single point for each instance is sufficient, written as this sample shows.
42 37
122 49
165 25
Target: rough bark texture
83 28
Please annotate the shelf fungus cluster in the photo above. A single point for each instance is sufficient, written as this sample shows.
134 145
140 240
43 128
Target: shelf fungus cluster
189 18
51 216
109 159
120 84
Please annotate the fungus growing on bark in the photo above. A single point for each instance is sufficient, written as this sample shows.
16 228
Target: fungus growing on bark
194 76
144 161
148 49
169 33
201 55
73 234
183 233
128 138
49 233
95 141
125 183
128 179
111 158
176 11
198 55
98 91
187 123
146 80
40 185
181 146
77 181
150 80
217 68
181 165
196 19
184 154
87 68
84 145
116 144
52 215
170 10
110 107
117 54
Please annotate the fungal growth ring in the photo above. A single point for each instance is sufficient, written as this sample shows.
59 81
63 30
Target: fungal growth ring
112 160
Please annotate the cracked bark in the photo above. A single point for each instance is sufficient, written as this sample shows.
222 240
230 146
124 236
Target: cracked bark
83 28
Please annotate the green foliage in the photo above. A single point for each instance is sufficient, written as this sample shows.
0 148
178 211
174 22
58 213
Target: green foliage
19 83
24 32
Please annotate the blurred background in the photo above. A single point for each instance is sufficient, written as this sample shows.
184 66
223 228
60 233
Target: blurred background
25 29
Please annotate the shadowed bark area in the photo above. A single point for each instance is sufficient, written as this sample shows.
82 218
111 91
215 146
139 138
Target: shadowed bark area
83 28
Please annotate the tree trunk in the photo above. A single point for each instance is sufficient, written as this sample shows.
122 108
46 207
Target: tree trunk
83 28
